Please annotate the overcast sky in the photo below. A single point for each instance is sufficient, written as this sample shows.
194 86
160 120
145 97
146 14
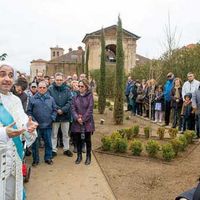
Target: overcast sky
30 27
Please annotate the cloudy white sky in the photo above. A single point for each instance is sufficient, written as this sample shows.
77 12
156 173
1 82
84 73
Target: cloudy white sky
28 28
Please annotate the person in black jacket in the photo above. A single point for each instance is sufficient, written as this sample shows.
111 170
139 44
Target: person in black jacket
63 98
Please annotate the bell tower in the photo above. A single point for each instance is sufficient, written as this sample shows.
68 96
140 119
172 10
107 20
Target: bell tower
56 52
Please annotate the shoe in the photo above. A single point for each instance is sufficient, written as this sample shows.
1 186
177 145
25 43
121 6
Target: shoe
88 160
68 153
79 159
49 162
54 154
34 164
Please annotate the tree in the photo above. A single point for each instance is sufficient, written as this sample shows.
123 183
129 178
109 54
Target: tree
3 56
86 71
119 79
102 85
82 62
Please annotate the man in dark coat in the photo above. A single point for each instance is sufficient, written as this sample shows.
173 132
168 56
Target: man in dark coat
63 98
42 108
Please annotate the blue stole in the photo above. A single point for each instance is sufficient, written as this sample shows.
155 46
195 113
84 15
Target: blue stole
7 119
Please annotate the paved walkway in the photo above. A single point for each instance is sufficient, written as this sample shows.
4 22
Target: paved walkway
66 181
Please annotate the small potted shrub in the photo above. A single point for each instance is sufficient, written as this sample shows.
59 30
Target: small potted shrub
168 152
106 143
127 118
120 145
152 148
136 130
108 104
173 132
147 131
176 144
161 132
183 141
189 135
111 108
136 147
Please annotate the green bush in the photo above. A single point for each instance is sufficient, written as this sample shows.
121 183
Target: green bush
115 135
120 145
136 130
106 143
177 145
152 148
127 118
183 141
108 104
111 108
189 135
168 152
147 131
122 132
128 133
173 132
161 132
136 147
95 105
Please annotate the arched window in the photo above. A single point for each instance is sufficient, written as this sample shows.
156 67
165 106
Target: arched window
111 53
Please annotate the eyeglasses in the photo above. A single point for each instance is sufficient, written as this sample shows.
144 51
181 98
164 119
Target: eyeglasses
59 79
42 87
81 86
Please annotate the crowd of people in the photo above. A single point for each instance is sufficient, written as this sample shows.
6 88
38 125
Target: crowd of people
57 111
175 103
47 107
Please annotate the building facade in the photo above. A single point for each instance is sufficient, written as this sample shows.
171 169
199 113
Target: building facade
38 65
93 41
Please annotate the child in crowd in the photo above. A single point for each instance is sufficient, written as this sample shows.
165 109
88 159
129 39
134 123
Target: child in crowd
159 104
187 113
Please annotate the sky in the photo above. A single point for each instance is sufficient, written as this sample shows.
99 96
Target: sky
28 28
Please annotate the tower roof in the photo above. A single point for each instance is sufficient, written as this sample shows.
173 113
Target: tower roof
98 33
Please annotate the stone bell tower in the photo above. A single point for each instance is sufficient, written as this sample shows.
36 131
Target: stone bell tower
56 52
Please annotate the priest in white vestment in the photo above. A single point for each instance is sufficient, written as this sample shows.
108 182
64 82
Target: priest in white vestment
13 124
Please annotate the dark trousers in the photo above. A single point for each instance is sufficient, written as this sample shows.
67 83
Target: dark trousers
46 135
128 102
197 120
79 142
134 108
167 112
189 123
177 120
139 108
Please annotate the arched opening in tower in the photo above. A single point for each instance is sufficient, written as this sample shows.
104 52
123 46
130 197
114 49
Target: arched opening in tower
111 53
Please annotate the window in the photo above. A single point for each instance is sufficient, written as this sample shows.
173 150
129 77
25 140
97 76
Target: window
57 53
54 53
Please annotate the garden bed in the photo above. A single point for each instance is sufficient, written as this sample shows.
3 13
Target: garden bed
129 143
